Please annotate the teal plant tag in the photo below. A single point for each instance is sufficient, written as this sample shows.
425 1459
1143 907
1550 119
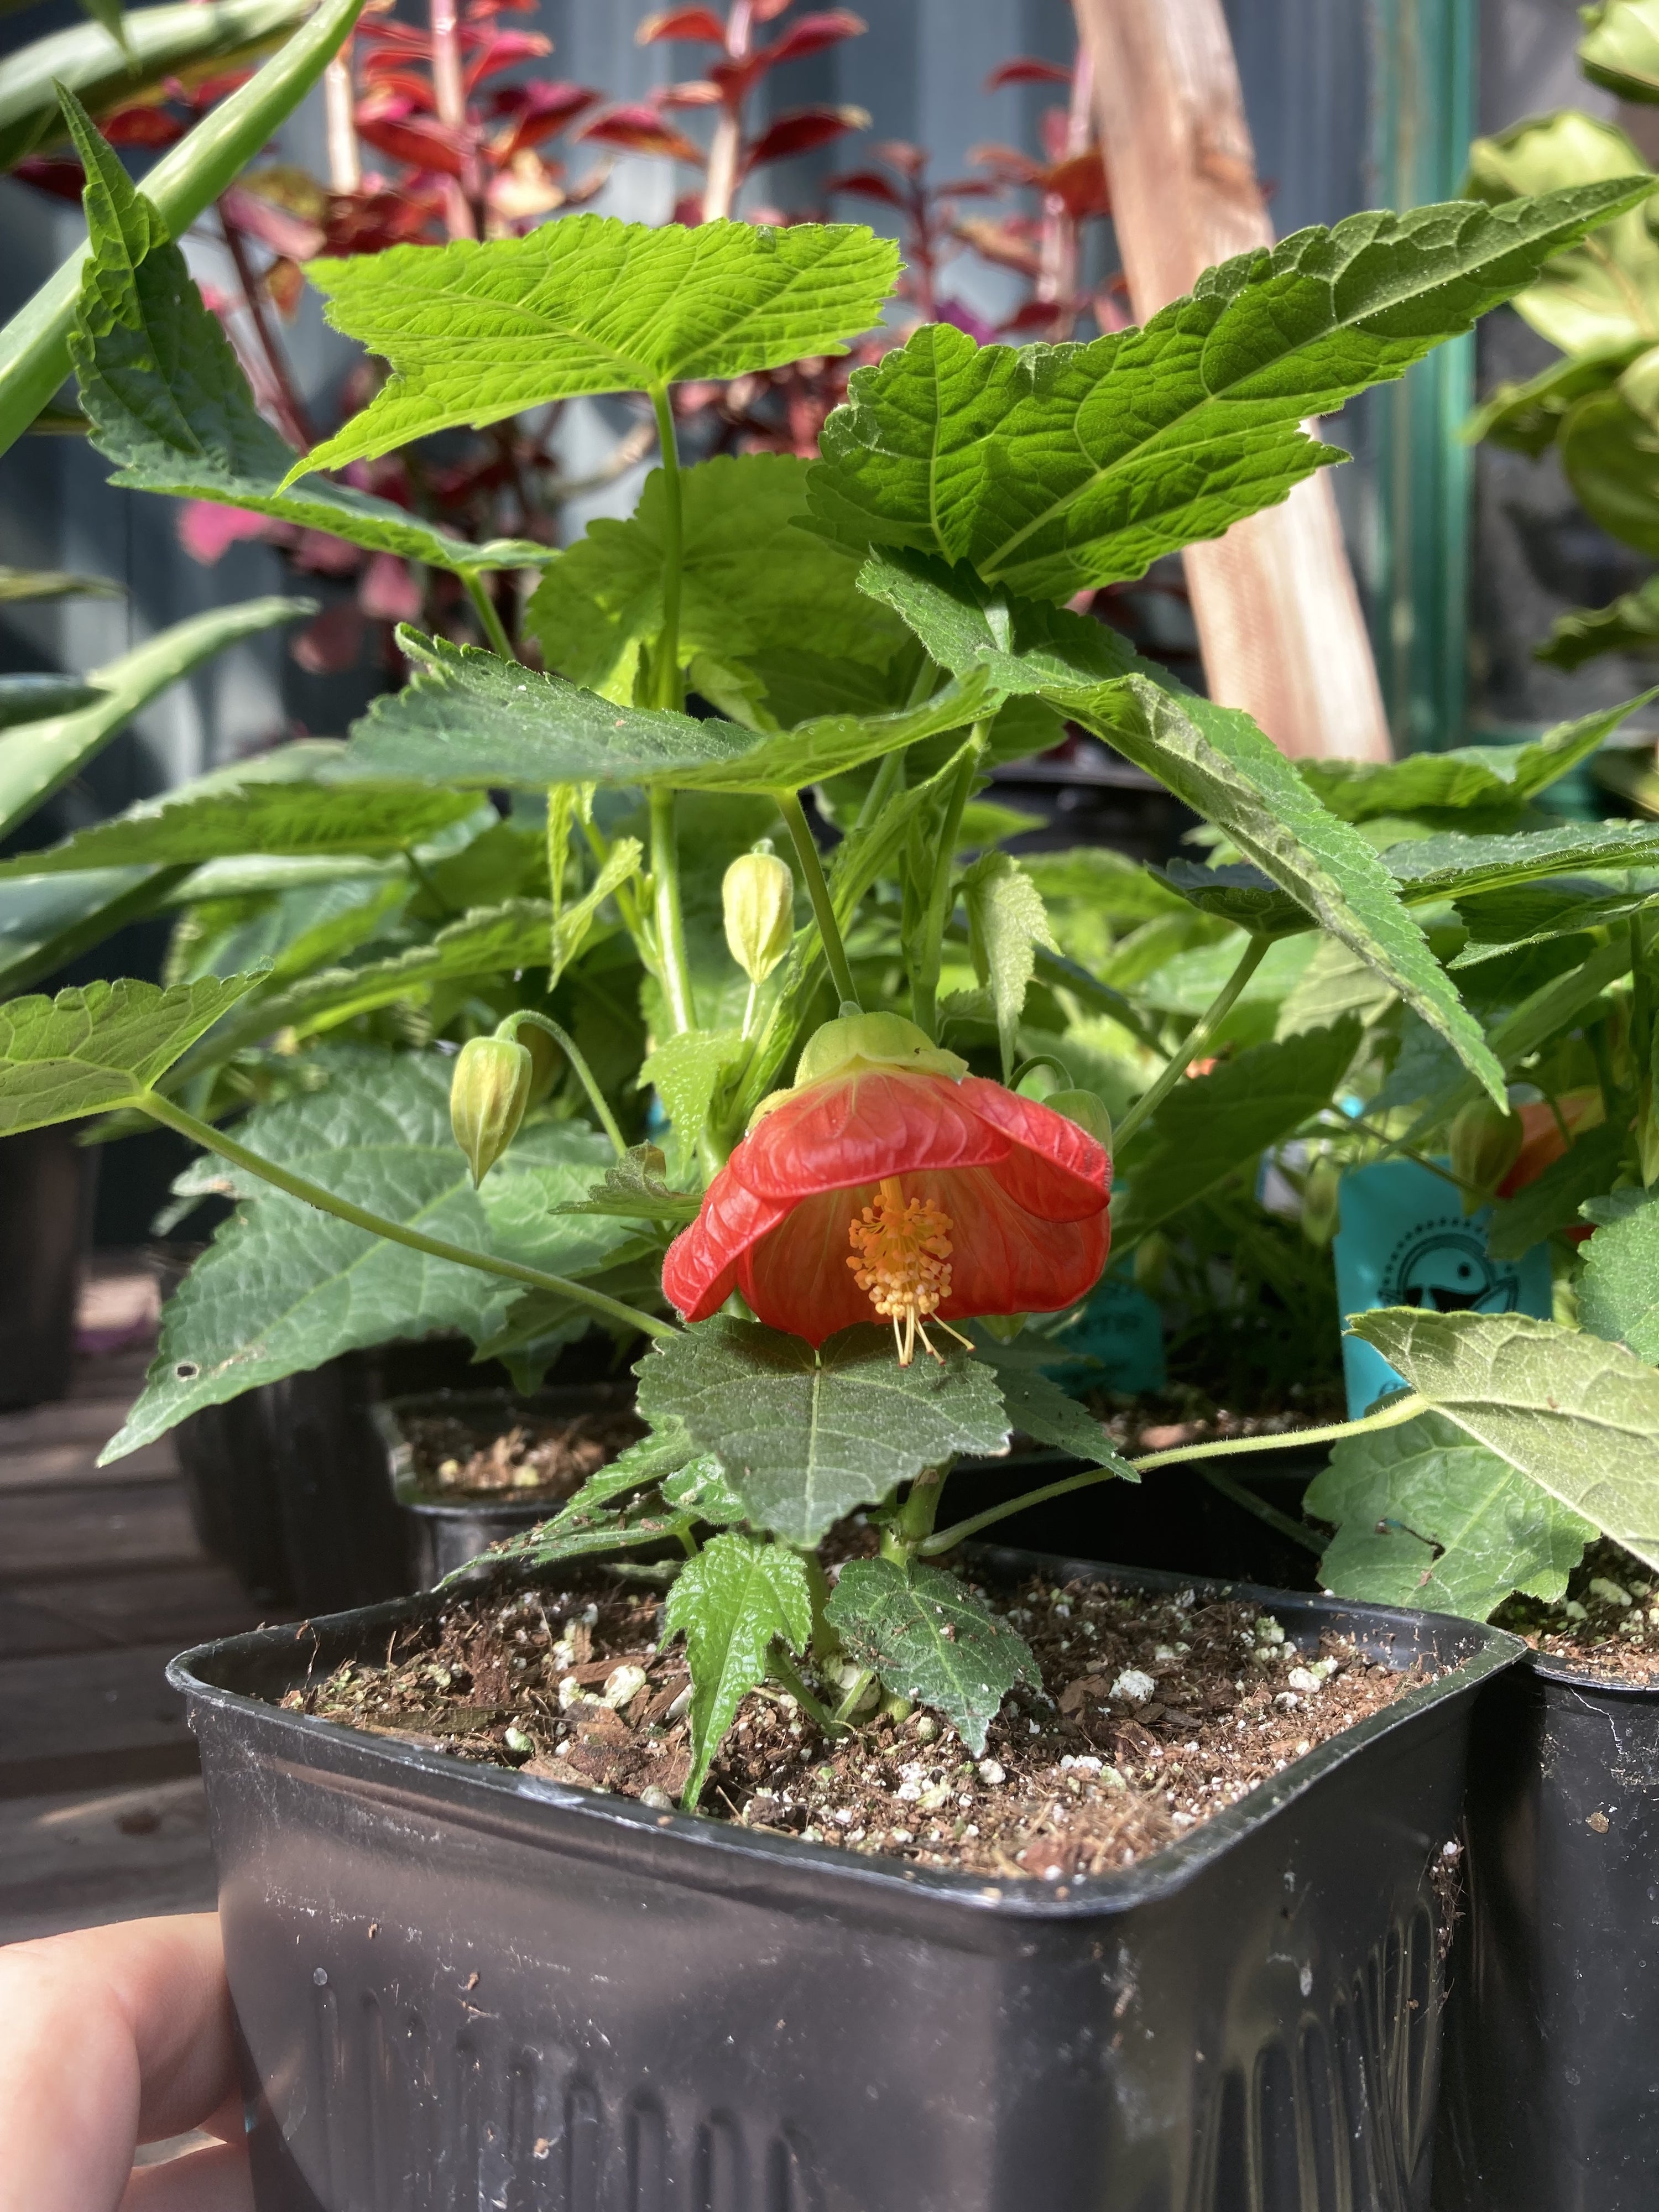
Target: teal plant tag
1116 1342
1405 1241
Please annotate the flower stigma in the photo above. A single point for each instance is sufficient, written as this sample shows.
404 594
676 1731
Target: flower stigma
901 1256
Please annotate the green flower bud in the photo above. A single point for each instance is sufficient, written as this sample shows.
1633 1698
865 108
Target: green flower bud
1151 1263
1087 1109
1321 1215
758 894
853 1042
488 1094
1486 1142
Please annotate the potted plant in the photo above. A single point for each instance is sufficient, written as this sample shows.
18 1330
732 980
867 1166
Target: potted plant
840 1197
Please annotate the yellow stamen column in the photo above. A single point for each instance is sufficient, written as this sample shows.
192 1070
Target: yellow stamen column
901 1252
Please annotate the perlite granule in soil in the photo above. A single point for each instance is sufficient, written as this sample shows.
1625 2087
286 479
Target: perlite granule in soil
1607 1624
1154 1713
549 1459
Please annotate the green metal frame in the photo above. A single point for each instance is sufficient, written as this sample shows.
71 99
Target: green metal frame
1423 118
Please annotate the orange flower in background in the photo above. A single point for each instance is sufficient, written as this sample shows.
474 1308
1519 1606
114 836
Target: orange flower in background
890 1184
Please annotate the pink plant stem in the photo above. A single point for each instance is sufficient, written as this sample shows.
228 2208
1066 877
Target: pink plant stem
721 186
297 424
1057 269
923 251
345 167
449 91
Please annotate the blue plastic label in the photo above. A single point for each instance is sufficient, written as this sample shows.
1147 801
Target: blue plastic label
1405 1241
1116 1342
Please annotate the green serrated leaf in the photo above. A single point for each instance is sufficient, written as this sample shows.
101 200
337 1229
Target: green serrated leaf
1588 297
1056 467
472 720
1212 1124
751 581
1620 49
1629 624
1426 1519
1454 866
931 1639
17 584
1522 915
1464 775
1044 1411
36 698
634 1188
1579 1416
1120 890
1007 922
168 403
805 1438
1526 417
283 1287
47 921
731 1603
702 1490
590 305
101 1047
1213 758
1553 1199
548 1546
685 1071
1239 894
1619 1290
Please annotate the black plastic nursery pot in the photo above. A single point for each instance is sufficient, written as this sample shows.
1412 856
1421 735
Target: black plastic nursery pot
48 1187
443 1531
461 1986
1552 2092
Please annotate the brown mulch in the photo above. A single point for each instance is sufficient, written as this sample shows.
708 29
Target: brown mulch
1154 1714
1160 1423
1606 1625
549 1459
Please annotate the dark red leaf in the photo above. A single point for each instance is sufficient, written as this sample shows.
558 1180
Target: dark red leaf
64 180
1081 184
1008 164
284 233
1026 68
899 153
640 130
199 97
812 34
1007 244
539 110
367 222
400 82
420 140
501 50
682 23
799 130
142 124
867 184
696 92
330 644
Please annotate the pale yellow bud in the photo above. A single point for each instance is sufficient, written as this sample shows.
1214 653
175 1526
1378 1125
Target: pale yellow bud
1087 1109
488 1094
759 897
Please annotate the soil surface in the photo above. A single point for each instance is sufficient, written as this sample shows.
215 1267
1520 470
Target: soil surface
1607 1624
1155 1713
537 1459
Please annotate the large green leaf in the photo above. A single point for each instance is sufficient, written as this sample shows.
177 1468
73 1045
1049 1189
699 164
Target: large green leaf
1620 48
35 698
1519 914
188 39
1043 1411
189 177
41 758
1579 1416
1598 296
932 1640
751 581
470 719
283 1287
19 584
1454 866
475 332
732 1603
258 817
1054 467
94 1050
806 1436
1611 457
1211 1124
1425 1518
1619 1290
1464 776
1213 758
48 920
168 403
1629 624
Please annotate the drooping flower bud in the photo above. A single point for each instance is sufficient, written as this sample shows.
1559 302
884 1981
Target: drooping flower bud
1485 1144
487 1095
1088 1109
1321 1214
758 894
1151 1263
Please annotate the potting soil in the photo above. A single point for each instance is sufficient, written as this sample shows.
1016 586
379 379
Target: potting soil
1607 1624
1155 1713
550 1459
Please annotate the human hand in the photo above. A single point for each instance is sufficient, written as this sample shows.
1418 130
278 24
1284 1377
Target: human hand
110 2037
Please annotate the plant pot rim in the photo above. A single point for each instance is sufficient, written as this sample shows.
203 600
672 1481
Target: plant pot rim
718 1848
388 1415
1550 1668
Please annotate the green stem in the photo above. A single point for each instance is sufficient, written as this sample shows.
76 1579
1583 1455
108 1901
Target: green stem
1403 1409
849 1703
666 667
924 984
818 891
1242 1494
573 1053
910 1526
673 963
476 591
437 1248
783 1671
1192 1046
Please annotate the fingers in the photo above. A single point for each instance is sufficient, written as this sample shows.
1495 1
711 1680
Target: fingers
108 2036
215 2180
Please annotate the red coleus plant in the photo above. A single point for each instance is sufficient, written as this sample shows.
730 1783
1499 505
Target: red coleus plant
890 1179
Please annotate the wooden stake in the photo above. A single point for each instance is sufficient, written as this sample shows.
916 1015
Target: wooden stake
1278 612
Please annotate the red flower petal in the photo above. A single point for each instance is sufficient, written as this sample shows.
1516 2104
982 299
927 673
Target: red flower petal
701 1271
854 1129
1054 1169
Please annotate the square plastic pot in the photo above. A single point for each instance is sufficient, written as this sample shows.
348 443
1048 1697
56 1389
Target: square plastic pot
459 1986
443 1533
1552 2100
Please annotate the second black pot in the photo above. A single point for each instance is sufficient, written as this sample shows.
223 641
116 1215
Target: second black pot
456 1985
1552 2092
48 1185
